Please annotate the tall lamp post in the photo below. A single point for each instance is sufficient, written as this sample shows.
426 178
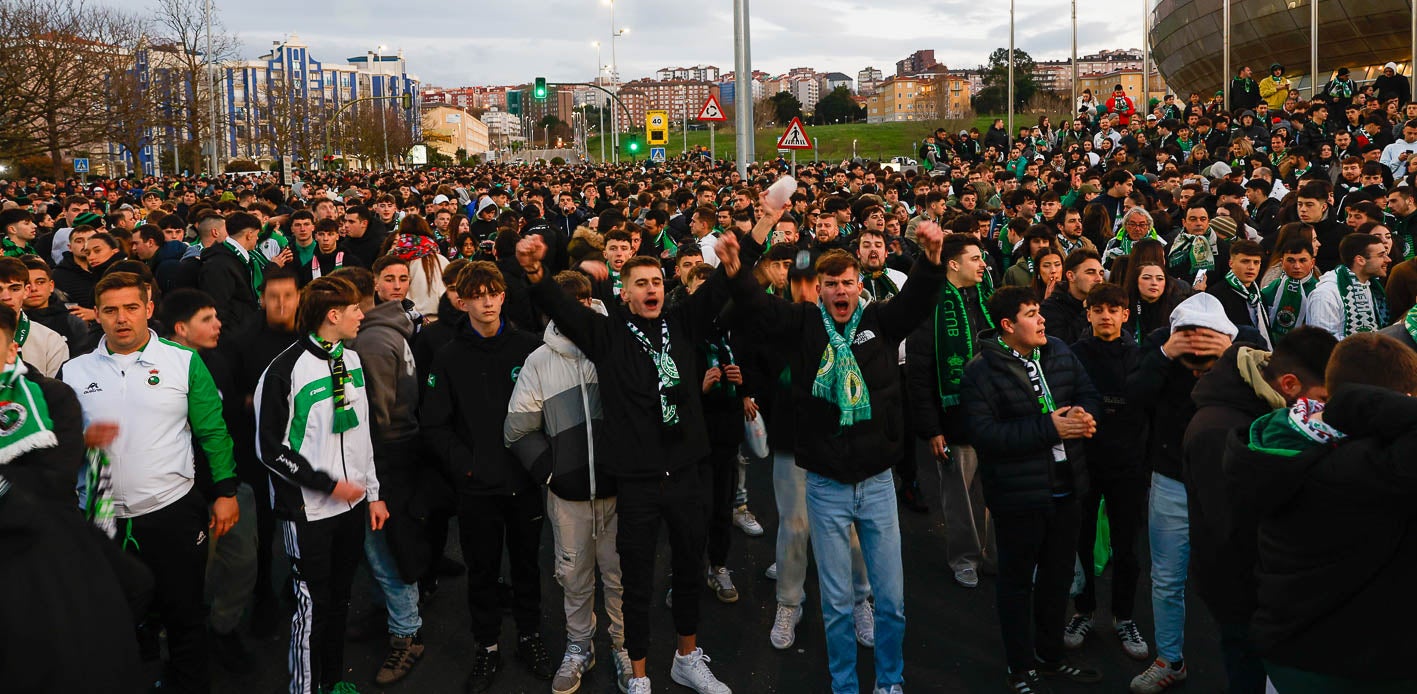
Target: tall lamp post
615 83
1011 68
377 56
600 101
743 87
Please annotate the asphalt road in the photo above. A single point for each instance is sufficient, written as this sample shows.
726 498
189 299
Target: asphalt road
951 643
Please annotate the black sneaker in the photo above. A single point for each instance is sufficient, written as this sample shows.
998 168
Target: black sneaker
1070 672
1027 683
231 653
531 650
485 665
912 498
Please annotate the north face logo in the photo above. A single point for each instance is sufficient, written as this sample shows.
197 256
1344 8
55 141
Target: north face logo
863 337
92 388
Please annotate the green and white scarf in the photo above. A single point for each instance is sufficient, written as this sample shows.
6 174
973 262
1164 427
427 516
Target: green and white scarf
22 330
1303 419
1357 317
24 415
719 355
1199 250
839 380
954 339
1284 299
345 417
98 494
1251 294
1033 366
664 364
616 283
1122 244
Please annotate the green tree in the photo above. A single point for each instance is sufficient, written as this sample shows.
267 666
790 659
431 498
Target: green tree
785 106
838 106
993 98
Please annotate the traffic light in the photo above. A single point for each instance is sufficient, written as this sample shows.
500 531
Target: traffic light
539 91
514 103
632 144
406 101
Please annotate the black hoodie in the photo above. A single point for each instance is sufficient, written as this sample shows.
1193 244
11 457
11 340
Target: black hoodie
1065 316
1337 536
465 400
1121 430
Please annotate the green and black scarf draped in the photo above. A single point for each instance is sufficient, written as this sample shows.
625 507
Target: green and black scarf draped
15 250
1284 300
1409 322
345 417
880 285
954 338
839 379
1254 301
1355 318
720 355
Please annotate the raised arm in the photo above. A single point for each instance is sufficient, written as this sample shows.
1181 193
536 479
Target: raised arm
900 316
586 328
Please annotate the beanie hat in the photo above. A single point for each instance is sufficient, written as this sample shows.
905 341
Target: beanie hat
88 219
1203 311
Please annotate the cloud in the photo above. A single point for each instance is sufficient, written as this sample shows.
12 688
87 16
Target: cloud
457 44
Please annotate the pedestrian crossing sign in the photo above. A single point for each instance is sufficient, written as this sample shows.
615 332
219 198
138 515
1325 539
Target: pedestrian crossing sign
795 137
656 153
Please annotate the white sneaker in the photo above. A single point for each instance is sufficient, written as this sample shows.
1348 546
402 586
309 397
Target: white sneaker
624 671
693 672
893 689
747 522
771 572
784 626
967 577
720 581
1132 642
1157 678
638 685
579 659
1077 630
864 615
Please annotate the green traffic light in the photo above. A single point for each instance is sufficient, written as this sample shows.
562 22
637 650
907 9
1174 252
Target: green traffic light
539 91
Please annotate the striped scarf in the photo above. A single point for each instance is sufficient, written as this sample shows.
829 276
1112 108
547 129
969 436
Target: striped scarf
345 417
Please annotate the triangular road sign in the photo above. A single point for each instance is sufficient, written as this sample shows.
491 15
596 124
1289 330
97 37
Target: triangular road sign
795 137
712 111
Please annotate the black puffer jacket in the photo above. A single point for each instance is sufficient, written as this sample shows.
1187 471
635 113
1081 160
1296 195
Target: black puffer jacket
1228 397
1337 536
1162 388
863 449
465 401
1012 436
1065 316
1121 429
227 278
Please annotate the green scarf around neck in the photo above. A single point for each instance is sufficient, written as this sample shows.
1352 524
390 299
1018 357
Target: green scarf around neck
1284 299
839 380
345 417
666 367
25 424
1355 319
954 338
1198 250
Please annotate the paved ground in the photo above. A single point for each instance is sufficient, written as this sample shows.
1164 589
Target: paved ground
951 645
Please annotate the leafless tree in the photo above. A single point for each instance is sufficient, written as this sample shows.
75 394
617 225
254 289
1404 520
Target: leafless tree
183 25
58 58
133 115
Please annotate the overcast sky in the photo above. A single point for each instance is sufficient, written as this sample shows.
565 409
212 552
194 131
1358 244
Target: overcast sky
453 44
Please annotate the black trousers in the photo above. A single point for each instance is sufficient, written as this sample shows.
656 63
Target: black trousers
172 542
642 506
718 475
1126 519
907 466
486 525
1045 539
323 557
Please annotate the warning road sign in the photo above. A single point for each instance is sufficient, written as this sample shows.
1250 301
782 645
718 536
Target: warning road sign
712 111
656 154
795 137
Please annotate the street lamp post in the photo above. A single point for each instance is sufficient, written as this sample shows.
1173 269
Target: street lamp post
1145 61
599 102
1225 51
377 55
743 86
1011 68
212 85
1072 105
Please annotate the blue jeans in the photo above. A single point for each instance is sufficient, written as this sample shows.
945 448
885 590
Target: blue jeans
1170 532
400 598
833 509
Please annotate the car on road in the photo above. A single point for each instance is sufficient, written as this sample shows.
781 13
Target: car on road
899 164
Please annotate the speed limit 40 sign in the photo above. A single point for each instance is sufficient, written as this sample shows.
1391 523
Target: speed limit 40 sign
657 127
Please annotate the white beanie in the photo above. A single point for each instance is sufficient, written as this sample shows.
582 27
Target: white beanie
1391 66
1203 311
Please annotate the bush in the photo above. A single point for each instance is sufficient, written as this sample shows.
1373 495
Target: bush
558 161
241 165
